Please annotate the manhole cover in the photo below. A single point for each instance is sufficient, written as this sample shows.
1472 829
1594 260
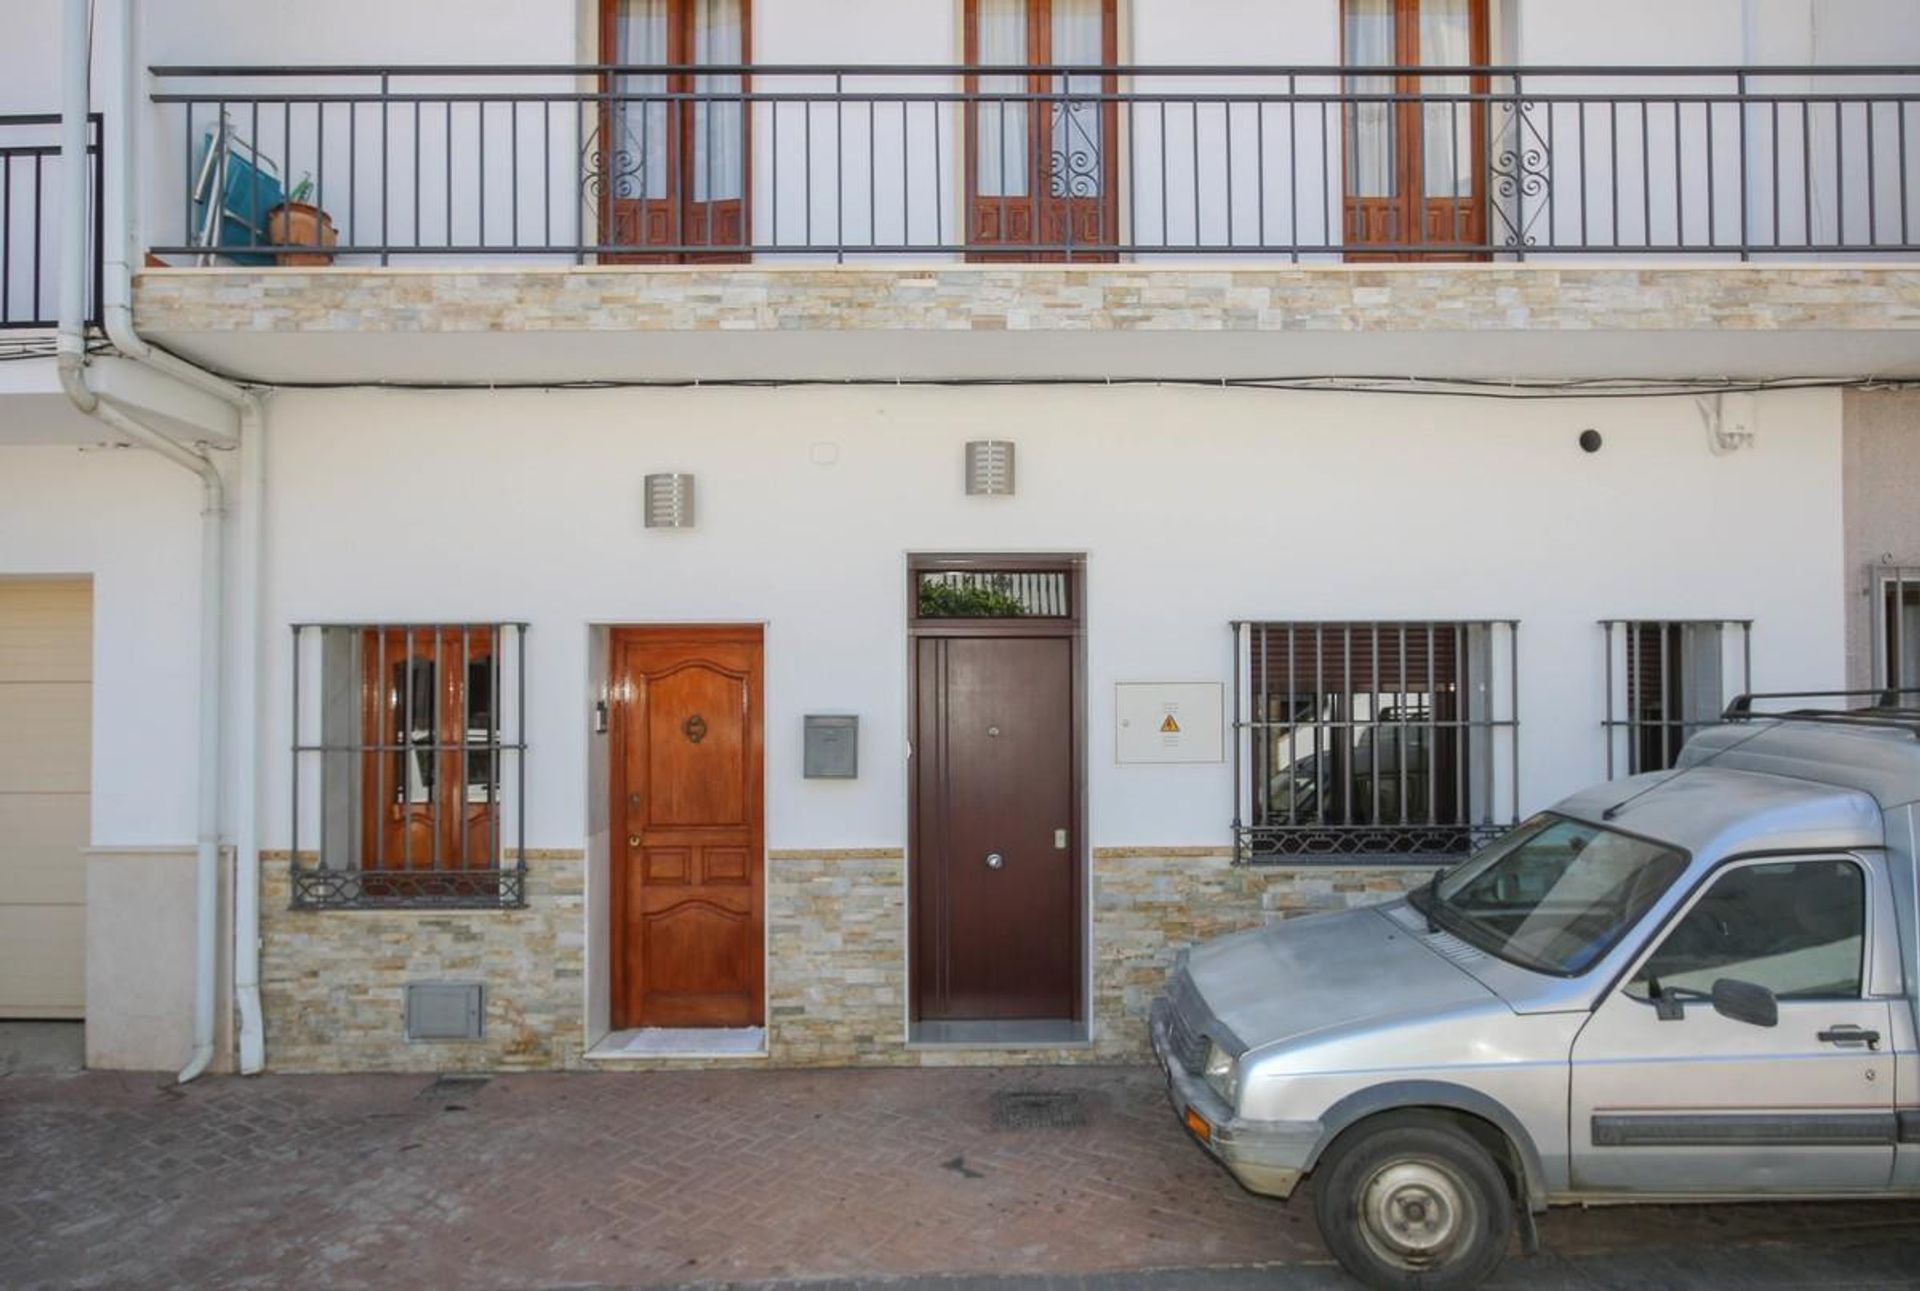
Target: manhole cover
454 1086
1034 1109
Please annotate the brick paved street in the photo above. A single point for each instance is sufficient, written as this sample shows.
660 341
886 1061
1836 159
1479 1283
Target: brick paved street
628 1179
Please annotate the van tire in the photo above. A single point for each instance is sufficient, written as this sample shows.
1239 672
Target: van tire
1409 1199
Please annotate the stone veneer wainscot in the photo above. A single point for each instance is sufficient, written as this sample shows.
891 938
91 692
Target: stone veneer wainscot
837 959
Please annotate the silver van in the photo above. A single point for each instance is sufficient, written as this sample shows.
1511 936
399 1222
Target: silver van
1693 985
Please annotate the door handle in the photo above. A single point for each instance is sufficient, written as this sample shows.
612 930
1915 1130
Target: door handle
633 840
1850 1034
995 860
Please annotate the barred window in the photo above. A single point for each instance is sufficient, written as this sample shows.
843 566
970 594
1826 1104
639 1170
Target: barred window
409 764
1896 622
1667 678
1374 740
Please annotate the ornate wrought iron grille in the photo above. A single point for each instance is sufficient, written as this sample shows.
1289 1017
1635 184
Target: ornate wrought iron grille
1667 678
409 765
1374 741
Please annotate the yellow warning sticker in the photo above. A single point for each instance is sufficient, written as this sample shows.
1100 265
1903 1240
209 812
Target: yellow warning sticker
1170 726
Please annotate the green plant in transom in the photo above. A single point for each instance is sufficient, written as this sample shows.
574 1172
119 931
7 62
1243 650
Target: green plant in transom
984 597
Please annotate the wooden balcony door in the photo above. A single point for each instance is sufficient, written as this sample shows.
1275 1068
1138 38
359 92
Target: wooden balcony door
1415 171
668 172
1041 172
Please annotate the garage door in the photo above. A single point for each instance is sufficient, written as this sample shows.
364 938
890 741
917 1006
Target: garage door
46 704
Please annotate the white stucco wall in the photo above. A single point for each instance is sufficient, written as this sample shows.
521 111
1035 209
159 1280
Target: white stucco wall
1193 508
131 521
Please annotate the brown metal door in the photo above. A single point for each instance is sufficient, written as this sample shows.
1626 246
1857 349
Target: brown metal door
688 827
995 828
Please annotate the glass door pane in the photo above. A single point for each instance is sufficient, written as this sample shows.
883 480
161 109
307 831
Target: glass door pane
1001 149
637 154
1078 150
1371 127
1446 134
719 136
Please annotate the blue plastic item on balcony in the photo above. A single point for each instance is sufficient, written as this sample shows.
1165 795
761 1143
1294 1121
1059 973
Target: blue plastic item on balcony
248 188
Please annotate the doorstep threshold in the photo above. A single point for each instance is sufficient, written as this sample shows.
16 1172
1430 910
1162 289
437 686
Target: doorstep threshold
1022 1033
656 1044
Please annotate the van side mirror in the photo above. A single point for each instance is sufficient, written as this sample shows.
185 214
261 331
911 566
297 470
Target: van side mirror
1745 1002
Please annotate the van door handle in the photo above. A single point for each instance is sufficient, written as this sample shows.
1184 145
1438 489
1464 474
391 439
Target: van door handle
1851 1035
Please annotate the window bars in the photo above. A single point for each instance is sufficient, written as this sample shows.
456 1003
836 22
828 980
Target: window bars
1383 741
409 765
1666 679
994 594
1896 626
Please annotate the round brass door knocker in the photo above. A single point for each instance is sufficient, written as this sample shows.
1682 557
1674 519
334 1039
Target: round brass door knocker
695 729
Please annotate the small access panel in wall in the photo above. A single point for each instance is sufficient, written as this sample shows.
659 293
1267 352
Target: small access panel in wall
1168 722
445 1010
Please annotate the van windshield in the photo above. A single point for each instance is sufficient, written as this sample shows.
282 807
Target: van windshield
1554 895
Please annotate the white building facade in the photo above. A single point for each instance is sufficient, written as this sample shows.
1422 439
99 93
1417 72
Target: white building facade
867 567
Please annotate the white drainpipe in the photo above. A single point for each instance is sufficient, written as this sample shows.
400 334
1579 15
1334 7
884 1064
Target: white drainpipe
121 143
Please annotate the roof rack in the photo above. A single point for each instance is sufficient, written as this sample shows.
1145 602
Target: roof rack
1891 708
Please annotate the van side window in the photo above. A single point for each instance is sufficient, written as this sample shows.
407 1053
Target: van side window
1794 927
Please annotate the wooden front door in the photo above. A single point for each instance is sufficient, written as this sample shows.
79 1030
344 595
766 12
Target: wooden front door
668 170
1040 172
688 825
1415 168
996 828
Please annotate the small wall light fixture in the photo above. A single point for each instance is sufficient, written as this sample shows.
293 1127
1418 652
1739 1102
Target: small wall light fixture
990 468
669 502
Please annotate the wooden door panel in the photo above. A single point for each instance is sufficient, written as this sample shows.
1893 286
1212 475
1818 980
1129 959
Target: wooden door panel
724 866
688 757
697 744
666 864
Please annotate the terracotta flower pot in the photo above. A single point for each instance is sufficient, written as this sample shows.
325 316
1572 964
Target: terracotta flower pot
301 224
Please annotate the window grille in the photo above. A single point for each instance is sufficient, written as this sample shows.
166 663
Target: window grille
1896 627
1389 741
409 764
1667 678
994 594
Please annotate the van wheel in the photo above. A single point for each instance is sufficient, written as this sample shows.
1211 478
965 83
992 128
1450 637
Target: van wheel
1409 1200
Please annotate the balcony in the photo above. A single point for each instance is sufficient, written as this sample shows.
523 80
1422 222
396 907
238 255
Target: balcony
31 231
1118 209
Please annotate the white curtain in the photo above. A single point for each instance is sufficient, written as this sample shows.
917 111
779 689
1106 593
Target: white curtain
1446 137
1078 150
1001 148
1371 126
638 151
719 135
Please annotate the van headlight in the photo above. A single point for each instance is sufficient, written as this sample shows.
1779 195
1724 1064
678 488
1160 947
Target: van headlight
1222 1074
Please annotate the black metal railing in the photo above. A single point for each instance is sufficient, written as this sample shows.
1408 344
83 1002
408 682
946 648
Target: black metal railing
31 229
1295 163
